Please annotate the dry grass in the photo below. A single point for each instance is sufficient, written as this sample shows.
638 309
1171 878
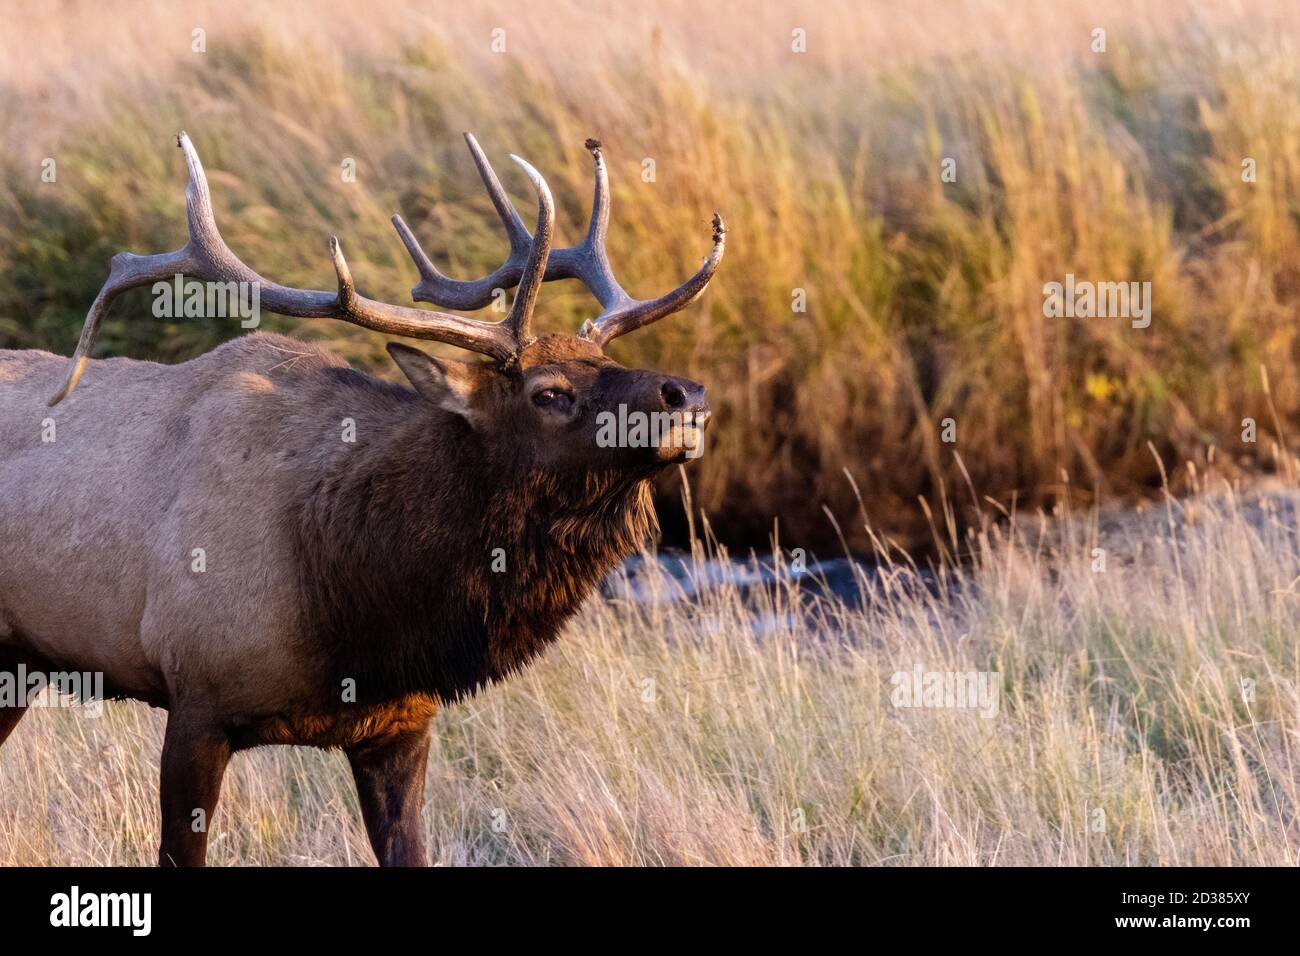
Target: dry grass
1120 692
924 298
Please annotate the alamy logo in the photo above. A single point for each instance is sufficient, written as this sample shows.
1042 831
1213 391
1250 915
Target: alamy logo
131 910
190 299
972 690
1103 300
635 429
24 688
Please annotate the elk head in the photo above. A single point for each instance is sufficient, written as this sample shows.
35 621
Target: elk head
580 408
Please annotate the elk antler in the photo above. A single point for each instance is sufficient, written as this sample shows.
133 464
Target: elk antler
205 256
586 261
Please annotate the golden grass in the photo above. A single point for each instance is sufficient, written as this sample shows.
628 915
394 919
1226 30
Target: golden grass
669 732
1121 691
924 298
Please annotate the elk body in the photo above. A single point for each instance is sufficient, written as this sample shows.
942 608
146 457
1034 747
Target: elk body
202 535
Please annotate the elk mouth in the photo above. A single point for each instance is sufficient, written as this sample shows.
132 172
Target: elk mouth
684 439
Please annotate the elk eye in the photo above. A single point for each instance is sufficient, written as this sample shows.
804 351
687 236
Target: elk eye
553 398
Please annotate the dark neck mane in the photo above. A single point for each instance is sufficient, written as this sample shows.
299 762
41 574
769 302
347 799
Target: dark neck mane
428 567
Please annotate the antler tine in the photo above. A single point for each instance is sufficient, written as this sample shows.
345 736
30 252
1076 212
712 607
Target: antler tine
590 263
632 314
534 271
205 256
515 228
587 262
442 290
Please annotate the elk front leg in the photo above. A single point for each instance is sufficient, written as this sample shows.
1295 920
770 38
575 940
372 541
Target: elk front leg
390 787
194 758
9 716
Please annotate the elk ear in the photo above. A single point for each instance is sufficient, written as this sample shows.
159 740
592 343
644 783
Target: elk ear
446 383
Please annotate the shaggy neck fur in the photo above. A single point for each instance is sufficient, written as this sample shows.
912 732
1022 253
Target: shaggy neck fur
432 566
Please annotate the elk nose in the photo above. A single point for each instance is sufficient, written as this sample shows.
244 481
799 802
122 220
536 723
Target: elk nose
673 394
682 395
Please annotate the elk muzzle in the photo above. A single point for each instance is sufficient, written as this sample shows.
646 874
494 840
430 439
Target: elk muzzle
684 409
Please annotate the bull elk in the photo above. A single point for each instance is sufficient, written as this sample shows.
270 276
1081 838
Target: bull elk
348 588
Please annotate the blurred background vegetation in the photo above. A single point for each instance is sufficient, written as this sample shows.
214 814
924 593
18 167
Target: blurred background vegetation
924 298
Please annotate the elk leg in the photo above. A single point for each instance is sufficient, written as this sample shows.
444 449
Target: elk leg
194 758
9 716
390 787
